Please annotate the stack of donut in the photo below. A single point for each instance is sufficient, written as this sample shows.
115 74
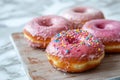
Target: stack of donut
77 40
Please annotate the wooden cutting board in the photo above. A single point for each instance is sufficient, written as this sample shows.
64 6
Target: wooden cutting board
38 67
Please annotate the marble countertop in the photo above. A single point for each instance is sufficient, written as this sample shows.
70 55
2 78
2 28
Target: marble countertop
14 14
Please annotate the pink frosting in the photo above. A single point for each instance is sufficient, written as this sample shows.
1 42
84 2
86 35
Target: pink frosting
47 26
79 15
106 30
76 44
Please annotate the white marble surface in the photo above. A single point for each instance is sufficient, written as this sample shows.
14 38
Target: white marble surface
14 14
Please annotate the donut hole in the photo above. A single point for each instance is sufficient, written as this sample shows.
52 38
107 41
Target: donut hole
71 40
46 23
100 26
79 10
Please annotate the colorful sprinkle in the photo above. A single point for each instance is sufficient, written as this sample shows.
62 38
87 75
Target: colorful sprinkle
82 43
72 34
96 40
77 30
58 35
63 45
56 40
87 38
99 49
67 51
88 45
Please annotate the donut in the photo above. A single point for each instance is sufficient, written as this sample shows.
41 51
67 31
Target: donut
74 51
108 31
80 15
39 31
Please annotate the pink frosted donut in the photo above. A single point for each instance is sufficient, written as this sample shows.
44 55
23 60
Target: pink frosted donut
75 51
80 15
108 31
40 30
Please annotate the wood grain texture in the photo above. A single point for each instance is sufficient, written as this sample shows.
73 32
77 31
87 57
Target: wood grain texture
39 68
